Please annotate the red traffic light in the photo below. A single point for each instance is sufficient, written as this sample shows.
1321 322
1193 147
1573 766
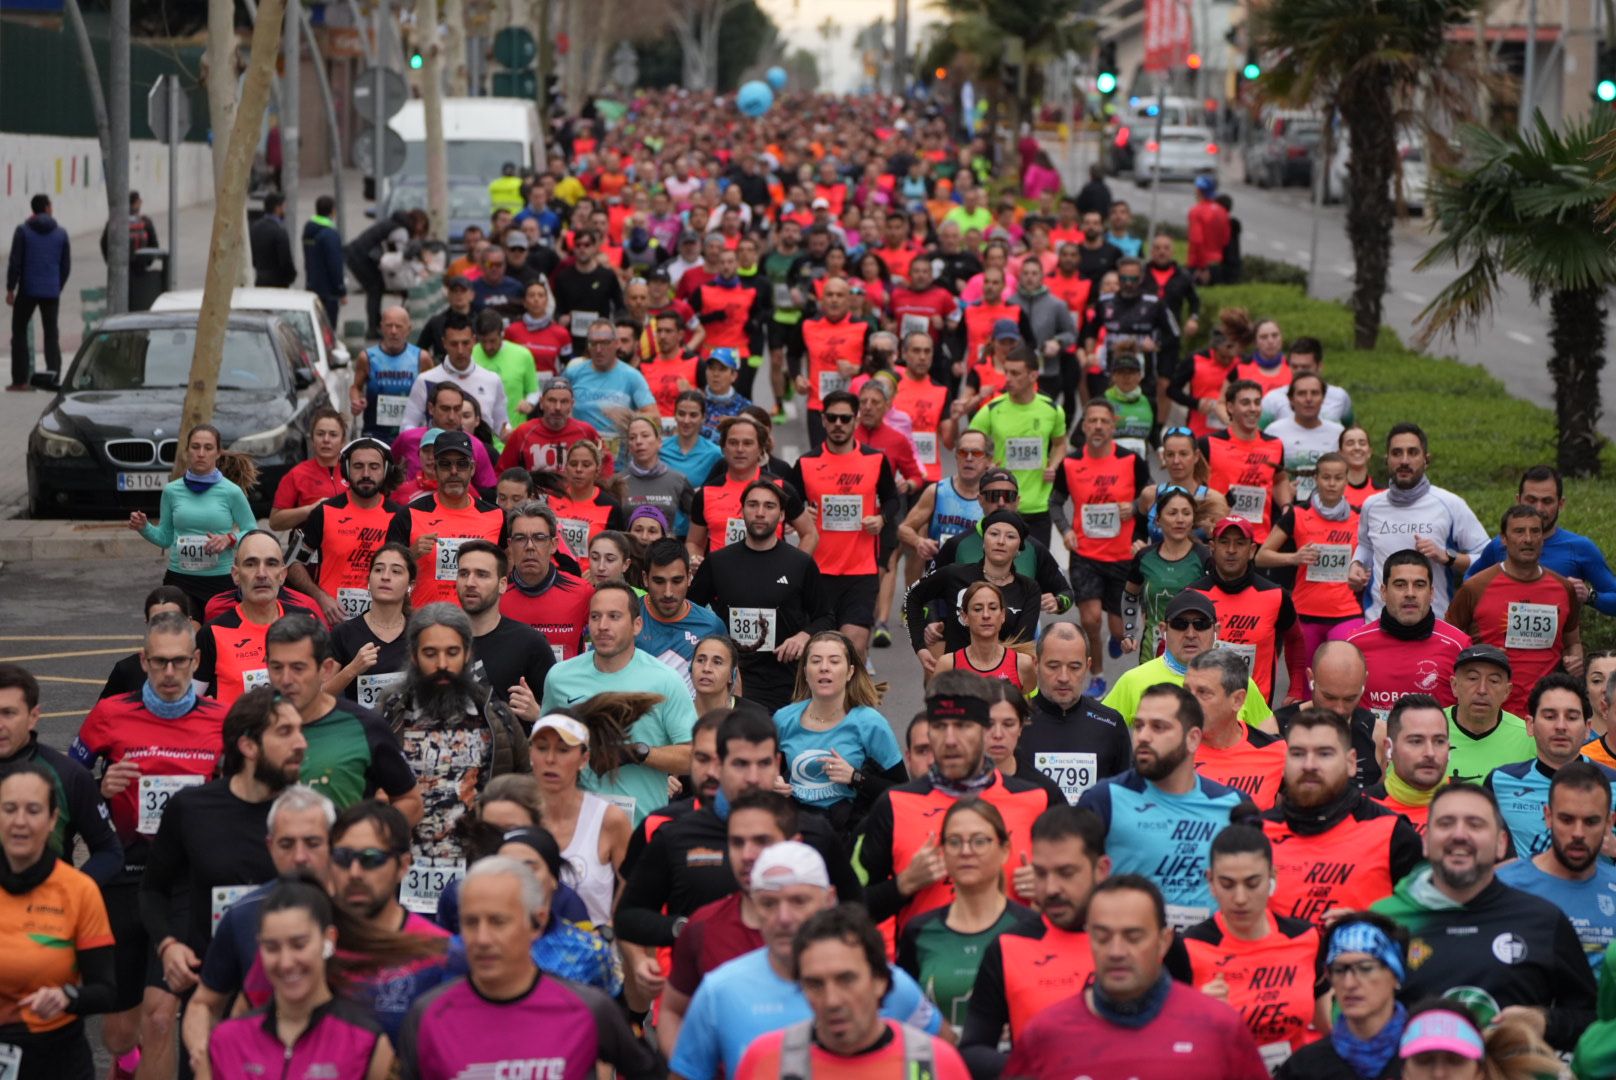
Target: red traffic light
1194 61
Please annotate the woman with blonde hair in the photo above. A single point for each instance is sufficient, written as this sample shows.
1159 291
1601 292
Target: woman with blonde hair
981 609
1443 1041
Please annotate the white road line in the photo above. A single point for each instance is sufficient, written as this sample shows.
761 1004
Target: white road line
1412 297
1343 269
1516 335
1276 245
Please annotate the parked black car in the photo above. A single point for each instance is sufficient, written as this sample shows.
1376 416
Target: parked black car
107 441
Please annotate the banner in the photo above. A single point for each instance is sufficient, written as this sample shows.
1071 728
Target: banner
1169 33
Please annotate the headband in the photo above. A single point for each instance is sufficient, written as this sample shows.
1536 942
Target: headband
953 707
1362 937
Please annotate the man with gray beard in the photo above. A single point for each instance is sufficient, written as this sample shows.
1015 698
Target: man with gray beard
456 736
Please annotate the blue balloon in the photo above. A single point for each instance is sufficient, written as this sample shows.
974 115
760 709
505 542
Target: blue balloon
776 77
754 98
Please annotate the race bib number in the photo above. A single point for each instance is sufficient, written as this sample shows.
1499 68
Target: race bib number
734 531
625 803
192 554
926 447
1102 521
1073 773
155 791
1532 626
449 556
669 426
750 624
581 322
1184 916
782 296
576 534
1247 501
559 652
841 513
390 410
1023 453
373 689
1246 650
426 881
353 602
1274 1054
10 1061
221 898
252 680
830 382
914 324
1331 568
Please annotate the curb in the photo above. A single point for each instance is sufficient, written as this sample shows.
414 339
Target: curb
23 540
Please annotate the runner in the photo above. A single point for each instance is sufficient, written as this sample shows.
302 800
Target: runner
589 505
434 526
951 505
607 393
1337 675
385 373
457 368
1246 465
673 626
1575 558
692 449
540 593
516 367
317 477
340 536
1407 649
717 518
1356 448
370 649
1073 739
1004 536
232 645
591 832
981 608
1028 432
1232 752
1306 434
1191 628
541 444
1416 758
1159 572
1256 616
1305 356
834 343
1174 289
1483 735
1179 454
1200 380
538 333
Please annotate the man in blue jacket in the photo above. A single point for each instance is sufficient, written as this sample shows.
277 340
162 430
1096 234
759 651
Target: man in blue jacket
41 258
322 258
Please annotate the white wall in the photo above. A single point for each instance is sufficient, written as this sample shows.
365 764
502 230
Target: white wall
70 171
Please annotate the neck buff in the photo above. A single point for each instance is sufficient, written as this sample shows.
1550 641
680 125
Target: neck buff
646 472
1418 632
1338 512
1409 496
535 324
1369 1057
1138 1012
200 482
21 883
970 785
168 710
1406 793
1174 664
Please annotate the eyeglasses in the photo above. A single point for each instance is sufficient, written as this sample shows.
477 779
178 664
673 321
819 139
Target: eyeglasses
454 464
1000 495
978 843
1129 279
971 455
370 858
1184 622
522 540
1361 968
839 418
603 343
161 662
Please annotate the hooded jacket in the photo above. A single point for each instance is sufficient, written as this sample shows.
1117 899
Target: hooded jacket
41 258
322 258
1051 320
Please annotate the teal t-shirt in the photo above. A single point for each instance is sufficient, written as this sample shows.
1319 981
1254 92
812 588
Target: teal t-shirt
185 518
863 735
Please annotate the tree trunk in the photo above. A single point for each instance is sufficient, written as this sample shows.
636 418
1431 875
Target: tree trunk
454 52
1577 332
221 117
229 223
437 165
1371 127
116 284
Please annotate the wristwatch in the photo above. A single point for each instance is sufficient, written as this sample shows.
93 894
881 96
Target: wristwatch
71 992
641 751
679 925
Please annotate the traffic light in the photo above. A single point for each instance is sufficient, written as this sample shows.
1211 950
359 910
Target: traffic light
1605 74
1193 61
1252 69
1106 81
416 61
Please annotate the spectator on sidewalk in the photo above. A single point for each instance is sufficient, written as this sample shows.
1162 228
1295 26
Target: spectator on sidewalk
273 267
322 258
364 257
41 259
1209 232
142 234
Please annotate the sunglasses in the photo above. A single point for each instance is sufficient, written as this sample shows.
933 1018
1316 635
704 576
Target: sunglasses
1000 495
1178 430
1185 622
1129 279
839 418
370 858
971 455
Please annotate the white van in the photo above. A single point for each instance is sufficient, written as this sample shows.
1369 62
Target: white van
480 135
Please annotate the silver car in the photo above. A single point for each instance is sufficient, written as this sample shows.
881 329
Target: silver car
1185 153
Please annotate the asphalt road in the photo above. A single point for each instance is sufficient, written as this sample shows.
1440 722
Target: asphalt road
1278 224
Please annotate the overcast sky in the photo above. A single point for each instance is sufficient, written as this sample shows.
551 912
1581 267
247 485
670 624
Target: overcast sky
799 21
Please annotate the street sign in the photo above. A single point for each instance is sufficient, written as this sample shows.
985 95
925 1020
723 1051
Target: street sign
514 47
625 66
160 103
364 146
379 84
516 84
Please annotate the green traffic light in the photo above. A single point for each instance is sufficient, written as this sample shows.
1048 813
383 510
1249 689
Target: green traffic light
1606 90
1251 71
416 62
1106 82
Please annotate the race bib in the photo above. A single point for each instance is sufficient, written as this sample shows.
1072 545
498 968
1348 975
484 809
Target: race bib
581 322
1247 501
252 680
1274 1054
1246 650
1331 569
390 410
830 382
914 324
155 791
426 881
750 624
1024 453
926 447
1532 626
1184 916
559 652
669 426
449 556
1102 521
221 898
192 555
10 1061
1073 773
734 531
625 803
353 602
782 296
371 690
576 534
841 513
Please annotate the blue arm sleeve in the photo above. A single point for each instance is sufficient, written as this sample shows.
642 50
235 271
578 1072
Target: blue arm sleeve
1593 569
1490 554
907 1004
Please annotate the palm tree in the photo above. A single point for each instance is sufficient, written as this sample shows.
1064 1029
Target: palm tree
1043 29
1382 66
1530 205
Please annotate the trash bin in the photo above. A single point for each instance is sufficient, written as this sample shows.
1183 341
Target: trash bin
148 278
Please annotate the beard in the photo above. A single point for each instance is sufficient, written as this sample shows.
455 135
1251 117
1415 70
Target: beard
272 776
1161 765
443 693
1576 863
1315 795
364 487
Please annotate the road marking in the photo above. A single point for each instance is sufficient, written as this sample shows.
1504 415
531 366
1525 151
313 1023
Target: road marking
66 712
1412 297
70 679
1516 335
61 655
1276 245
70 637
1343 269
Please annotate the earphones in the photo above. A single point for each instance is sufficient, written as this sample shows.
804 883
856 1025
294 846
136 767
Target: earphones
329 949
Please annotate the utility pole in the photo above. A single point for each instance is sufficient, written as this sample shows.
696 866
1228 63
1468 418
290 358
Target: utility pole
900 48
229 220
1529 76
437 168
118 161
333 132
291 130
545 34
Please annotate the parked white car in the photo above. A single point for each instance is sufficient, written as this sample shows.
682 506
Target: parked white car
1185 152
1413 173
303 310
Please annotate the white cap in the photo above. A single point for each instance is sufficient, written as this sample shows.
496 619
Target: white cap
820 203
788 863
571 731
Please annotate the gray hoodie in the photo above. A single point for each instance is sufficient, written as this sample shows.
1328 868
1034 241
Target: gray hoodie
1051 320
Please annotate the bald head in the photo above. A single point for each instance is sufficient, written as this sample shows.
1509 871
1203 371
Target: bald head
1338 675
1063 663
395 326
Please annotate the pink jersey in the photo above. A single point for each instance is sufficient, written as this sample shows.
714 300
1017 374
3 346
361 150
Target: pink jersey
1398 666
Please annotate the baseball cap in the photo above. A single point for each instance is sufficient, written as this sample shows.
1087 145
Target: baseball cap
555 382
1189 601
726 356
788 863
820 204
1206 185
998 476
1234 521
431 436
457 281
516 238
1006 328
572 732
1130 361
689 236
659 274
453 442
1442 1030
1483 654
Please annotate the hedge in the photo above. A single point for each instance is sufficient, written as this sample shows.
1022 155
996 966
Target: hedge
1481 437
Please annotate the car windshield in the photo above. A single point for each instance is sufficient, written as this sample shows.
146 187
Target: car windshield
465 200
160 359
471 157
